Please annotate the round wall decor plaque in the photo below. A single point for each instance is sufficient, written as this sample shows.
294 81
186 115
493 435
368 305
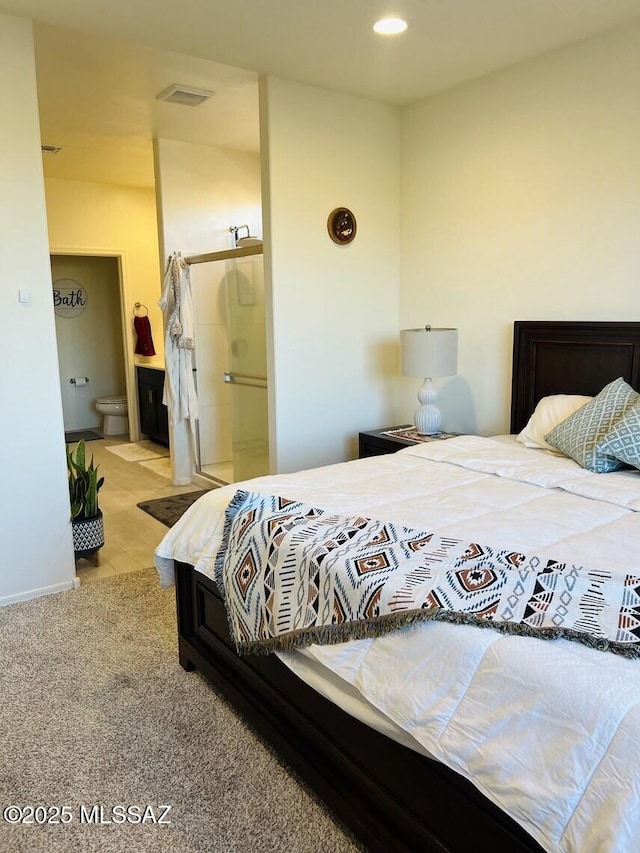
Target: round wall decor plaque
341 226
69 297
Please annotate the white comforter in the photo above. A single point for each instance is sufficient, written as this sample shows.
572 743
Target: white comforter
549 730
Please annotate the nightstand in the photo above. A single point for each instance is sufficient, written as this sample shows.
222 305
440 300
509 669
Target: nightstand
376 442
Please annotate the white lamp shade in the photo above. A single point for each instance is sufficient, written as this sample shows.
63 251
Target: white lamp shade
429 352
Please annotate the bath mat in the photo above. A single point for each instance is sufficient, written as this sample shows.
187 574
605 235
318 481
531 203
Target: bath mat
77 434
169 510
139 450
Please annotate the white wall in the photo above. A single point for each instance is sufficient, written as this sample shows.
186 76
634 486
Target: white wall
334 308
35 532
89 338
520 201
105 219
203 191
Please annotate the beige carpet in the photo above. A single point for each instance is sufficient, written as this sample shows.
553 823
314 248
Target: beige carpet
95 709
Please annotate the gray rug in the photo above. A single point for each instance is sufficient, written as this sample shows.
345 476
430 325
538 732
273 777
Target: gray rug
169 510
96 710
76 435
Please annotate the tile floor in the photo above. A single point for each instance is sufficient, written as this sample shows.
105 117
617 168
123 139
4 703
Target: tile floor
222 471
130 534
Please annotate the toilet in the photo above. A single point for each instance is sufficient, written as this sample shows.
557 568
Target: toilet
116 414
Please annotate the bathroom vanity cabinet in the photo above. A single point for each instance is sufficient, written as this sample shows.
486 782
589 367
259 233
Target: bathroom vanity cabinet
154 419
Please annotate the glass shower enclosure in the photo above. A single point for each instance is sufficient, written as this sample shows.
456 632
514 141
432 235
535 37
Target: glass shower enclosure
231 364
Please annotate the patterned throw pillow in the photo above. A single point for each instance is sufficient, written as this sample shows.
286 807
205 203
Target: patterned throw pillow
623 441
579 435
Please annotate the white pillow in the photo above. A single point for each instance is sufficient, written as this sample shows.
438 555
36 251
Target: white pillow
549 412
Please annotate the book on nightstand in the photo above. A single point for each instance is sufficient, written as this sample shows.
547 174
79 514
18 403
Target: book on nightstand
412 434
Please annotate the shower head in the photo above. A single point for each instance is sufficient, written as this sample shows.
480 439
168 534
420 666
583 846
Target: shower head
239 242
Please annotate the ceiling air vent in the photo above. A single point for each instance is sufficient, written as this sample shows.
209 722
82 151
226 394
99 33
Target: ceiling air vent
51 149
188 96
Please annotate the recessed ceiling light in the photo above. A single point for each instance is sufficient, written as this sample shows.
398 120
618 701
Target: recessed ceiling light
390 26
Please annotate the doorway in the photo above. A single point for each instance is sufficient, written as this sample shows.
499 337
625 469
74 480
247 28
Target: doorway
88 312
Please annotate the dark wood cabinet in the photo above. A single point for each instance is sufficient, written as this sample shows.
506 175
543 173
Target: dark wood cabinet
376 443
154 419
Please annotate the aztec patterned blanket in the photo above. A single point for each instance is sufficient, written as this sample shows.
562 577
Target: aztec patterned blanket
293 574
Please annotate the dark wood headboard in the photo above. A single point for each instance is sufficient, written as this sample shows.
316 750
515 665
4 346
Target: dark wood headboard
555 357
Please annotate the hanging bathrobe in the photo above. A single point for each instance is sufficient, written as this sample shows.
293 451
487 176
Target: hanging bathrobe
179 387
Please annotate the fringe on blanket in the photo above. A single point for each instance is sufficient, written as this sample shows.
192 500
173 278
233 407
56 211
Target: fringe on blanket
379 626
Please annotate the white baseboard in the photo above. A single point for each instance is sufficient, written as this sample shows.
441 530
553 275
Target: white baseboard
36 593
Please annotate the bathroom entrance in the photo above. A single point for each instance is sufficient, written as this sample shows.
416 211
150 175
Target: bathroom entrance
88 312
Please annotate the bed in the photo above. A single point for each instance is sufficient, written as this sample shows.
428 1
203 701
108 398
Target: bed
443 736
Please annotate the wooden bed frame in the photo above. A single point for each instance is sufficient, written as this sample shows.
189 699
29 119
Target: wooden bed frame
390 797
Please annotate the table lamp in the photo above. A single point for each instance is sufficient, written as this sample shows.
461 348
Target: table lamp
429 353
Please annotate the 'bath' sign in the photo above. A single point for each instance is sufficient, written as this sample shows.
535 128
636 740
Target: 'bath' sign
69 297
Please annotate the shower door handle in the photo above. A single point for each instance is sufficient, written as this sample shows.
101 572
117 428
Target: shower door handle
246 379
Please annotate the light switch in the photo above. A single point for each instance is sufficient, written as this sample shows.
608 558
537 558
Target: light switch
24 297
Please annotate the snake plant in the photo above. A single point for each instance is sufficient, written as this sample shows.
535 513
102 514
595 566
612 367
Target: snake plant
84 484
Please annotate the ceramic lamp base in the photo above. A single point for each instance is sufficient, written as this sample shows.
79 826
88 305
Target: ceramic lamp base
427 417
427 420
